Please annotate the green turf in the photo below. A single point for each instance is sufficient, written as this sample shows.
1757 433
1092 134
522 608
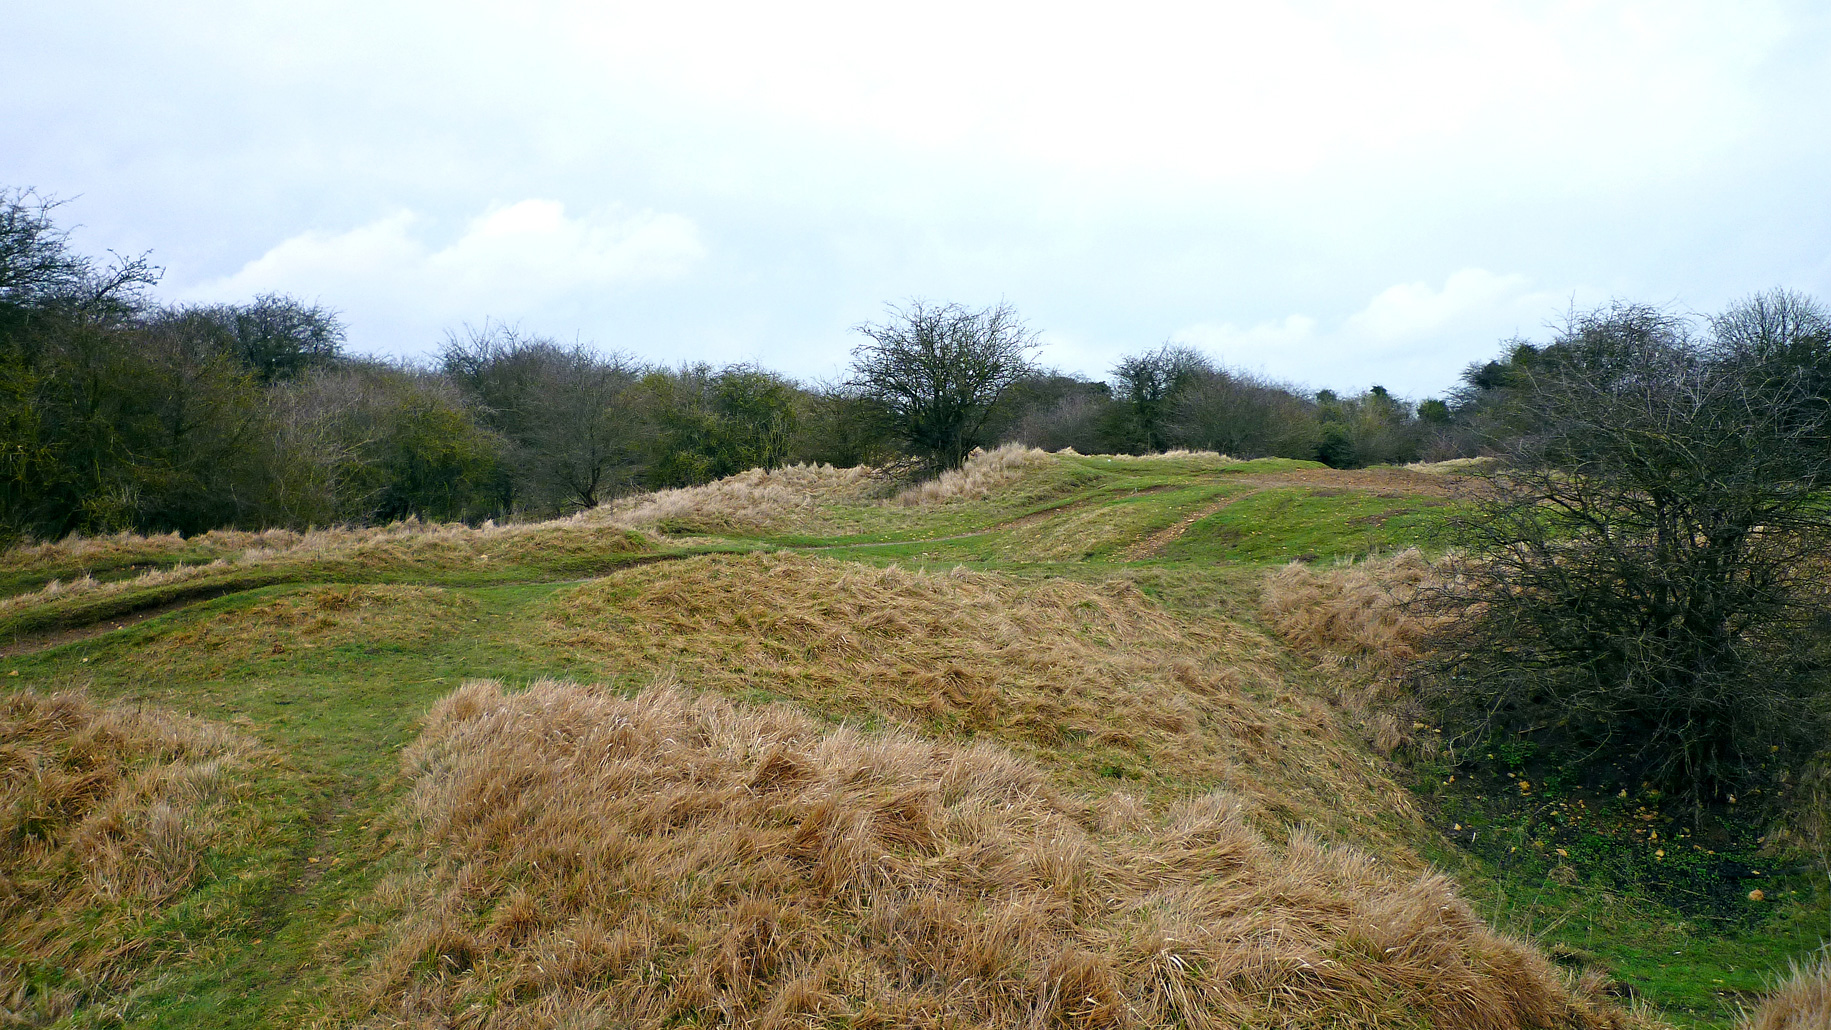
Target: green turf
260 941
1309 524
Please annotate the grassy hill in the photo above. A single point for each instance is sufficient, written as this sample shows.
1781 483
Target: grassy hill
1057 739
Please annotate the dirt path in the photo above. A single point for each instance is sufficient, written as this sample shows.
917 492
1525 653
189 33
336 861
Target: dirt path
28 643
1153 545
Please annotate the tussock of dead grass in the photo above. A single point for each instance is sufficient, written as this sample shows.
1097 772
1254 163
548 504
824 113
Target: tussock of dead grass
753 501
105 814
669 860
1802 1002
1451 466
801 498
985 473
1183 459
87 586
409 542
1357 609
1178 452
119 549
1356 617
1098 681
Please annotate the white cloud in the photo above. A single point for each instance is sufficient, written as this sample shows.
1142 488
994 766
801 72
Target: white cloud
1255 89
1119 172
1412 337
510 261
1411 310
1261 346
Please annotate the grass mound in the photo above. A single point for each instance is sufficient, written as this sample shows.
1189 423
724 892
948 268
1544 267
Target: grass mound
1099 680
749 502
815 499
133 552
451 551
106 816
983 474
125 559
1803 1002
1318 519
669 860
309 619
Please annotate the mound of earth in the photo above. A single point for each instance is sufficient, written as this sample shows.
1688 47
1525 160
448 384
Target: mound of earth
672 860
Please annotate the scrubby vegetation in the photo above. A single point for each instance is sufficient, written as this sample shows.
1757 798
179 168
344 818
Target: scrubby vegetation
1052 655
917 699
1643 588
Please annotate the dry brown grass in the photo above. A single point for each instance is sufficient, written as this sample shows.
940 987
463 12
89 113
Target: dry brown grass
802 498
1099 680
412 542
753 501
1802 1002
1176 452
677 861
105 814
1357 609
128 548
402 546
1452 466
1355 618
984 474
86 586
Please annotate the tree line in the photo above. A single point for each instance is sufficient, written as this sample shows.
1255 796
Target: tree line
118 412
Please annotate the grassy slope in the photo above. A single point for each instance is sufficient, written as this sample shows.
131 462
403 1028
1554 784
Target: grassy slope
330 657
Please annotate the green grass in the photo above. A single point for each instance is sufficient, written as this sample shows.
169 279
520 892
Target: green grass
1310 524
257 951
1698 969
338 691
1656 897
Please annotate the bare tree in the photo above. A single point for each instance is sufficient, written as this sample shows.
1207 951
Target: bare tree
39 271
939 371
1239 414
565 411
1643 585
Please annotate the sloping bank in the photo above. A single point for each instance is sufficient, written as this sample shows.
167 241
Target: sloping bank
672 859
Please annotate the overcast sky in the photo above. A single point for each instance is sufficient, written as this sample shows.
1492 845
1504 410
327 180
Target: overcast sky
1333 193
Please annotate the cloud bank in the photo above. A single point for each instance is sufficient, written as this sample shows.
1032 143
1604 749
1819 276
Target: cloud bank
509 262
1405 330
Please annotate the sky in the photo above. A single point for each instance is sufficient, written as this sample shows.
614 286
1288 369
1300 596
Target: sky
1334 194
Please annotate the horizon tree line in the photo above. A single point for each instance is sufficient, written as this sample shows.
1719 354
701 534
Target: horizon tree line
118 412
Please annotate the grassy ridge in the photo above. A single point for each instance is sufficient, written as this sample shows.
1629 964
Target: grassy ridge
331 665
